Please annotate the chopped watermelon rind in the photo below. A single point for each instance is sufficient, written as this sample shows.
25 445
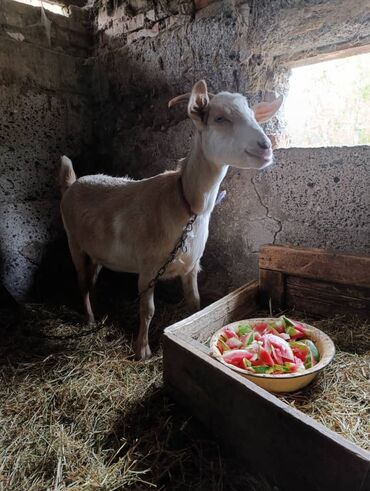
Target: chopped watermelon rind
268 347
312 347
244 329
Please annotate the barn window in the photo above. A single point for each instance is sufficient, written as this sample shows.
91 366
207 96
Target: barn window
50 6
328 103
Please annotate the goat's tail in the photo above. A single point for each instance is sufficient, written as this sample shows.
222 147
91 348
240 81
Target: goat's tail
67 175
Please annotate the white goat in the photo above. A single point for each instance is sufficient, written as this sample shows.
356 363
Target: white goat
132 226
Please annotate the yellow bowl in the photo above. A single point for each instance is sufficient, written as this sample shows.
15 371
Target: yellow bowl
289 382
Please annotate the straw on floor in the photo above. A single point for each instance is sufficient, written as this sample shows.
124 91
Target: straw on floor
340 396
82 415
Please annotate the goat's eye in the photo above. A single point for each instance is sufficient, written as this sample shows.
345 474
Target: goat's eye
220 119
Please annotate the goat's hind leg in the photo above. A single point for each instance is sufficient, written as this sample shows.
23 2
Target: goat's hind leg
85 274
93 273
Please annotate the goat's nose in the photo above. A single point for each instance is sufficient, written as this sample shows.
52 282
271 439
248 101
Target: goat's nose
264 144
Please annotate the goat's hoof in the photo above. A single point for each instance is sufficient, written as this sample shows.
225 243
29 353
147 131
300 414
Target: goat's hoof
143 353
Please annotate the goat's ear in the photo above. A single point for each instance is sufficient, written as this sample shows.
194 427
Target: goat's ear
265 110
198 104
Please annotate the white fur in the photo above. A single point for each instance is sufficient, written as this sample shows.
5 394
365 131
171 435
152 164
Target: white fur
132 226
228 142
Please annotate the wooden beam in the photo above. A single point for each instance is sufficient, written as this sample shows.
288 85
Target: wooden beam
238 304
317 264
322 298
334 52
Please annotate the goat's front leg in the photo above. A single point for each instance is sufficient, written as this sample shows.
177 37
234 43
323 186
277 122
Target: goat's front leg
142 351
190 287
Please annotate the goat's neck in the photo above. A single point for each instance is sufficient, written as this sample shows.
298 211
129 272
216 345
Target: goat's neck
201 179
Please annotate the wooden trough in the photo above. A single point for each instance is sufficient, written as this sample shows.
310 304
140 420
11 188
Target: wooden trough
288 447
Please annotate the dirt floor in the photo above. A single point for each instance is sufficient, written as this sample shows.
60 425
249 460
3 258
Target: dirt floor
81 414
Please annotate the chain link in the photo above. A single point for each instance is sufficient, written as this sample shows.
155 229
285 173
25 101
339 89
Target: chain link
180 244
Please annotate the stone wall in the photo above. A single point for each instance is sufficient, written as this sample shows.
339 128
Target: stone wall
102 98
309 197
135 81
45 111
146 54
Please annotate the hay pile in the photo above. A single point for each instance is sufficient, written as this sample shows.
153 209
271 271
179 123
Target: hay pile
340 397
81 415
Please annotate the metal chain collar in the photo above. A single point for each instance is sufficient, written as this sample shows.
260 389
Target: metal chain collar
180 244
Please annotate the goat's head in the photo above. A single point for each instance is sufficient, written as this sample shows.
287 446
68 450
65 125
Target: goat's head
229 128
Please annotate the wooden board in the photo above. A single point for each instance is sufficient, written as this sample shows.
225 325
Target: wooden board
322 298
289 448
315 281
317 264
238 304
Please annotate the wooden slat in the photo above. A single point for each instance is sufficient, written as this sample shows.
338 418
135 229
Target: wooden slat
317 264
322 298
270 437
272 288
238 304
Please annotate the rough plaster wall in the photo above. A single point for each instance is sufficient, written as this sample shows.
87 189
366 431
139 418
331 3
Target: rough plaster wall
44 111
286 30
136 81
310 197
315 197
146 52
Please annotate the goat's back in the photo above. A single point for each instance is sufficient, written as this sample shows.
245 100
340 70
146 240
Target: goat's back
117 219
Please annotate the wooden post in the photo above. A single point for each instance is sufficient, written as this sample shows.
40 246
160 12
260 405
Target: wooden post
272 289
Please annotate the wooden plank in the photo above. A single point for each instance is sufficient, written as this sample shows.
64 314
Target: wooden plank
322 298
317 264
237 305
272 288
366 483
269 436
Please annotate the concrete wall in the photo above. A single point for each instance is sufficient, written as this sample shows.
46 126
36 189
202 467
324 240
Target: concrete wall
45 110
311 197
136 76
103 101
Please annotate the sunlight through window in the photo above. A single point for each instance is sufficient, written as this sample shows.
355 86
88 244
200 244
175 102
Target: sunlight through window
329 103
52 7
